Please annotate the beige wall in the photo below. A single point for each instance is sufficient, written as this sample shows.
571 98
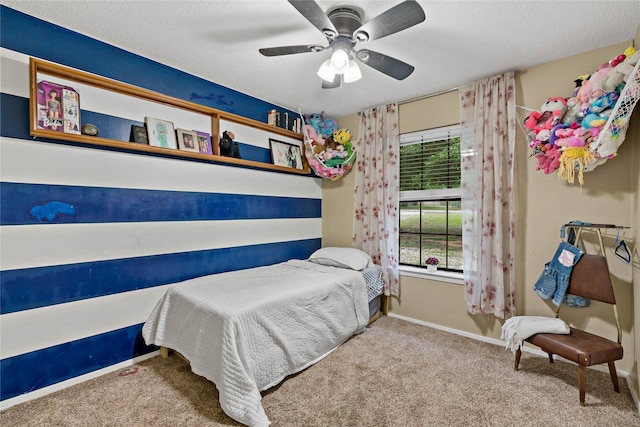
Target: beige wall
544 203
634 135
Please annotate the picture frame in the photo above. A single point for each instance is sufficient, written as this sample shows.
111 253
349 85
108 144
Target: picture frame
160 133
138 135
187 140
285 154
204 142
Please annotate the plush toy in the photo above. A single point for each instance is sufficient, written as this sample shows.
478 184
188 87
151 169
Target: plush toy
562 137
315 141
549 161
603 102
593 120
579 138
594 87
342 136
574 112
327 126
575 159
313 120
579 82
228 147
548 116
620 73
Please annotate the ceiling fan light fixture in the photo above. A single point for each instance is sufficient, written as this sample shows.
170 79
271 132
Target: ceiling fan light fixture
353 72
325 72
340 61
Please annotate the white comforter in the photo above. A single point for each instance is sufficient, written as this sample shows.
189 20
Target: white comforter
247 330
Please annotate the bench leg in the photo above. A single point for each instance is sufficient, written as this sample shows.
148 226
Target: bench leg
582 382
614 376
550 357
164 352
517 363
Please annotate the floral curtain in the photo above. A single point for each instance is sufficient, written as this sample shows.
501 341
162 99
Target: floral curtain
376 198
488 121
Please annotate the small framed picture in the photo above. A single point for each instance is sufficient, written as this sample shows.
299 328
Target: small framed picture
160 133
187 140
138 135
204 142
285 154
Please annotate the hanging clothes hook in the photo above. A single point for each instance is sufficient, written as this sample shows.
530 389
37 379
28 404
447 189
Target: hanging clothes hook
621 250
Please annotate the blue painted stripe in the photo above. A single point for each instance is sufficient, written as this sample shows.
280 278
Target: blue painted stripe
41 368
28 288
22 204
23 33
14 116
252 152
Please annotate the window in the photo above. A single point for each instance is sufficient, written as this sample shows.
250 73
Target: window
430 195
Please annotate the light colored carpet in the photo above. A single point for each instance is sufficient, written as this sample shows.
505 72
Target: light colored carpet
395 374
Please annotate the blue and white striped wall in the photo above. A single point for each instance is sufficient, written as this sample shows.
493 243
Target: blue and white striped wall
90 238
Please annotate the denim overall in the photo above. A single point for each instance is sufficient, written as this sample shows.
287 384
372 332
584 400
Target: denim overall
554 280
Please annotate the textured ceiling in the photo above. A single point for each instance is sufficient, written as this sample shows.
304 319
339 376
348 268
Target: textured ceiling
460 42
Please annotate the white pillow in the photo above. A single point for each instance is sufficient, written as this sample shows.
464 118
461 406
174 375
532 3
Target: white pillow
351 258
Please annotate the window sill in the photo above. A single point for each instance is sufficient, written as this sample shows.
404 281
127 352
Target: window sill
438 276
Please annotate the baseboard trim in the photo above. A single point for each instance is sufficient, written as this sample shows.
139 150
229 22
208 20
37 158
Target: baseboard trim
5 404
525 348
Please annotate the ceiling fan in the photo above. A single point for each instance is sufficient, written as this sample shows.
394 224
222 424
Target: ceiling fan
344 29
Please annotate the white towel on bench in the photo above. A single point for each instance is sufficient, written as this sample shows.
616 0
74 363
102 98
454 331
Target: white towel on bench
519 328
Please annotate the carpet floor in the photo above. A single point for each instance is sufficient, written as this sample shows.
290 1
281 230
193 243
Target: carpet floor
396 373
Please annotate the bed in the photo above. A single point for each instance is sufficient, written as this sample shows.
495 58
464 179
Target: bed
247 330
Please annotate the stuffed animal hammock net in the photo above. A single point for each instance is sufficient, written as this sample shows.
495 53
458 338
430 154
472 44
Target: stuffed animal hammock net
573 161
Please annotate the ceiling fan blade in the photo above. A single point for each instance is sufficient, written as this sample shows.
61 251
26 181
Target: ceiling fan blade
337 82
385 64
288 50
398 18
314 14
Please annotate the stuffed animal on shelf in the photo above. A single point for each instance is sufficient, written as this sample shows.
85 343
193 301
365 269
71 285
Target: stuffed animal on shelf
228 147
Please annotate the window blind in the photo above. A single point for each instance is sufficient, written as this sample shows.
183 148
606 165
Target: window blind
430 160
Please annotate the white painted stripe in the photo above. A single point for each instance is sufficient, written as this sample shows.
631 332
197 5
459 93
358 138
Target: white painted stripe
14 73
25 246
38 162
30 330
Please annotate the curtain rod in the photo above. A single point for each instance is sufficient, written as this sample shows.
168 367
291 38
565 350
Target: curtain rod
406 101
442 92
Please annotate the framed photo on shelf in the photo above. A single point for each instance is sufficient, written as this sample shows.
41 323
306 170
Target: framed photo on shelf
187 140
285 154
204 142
138 135
160 133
